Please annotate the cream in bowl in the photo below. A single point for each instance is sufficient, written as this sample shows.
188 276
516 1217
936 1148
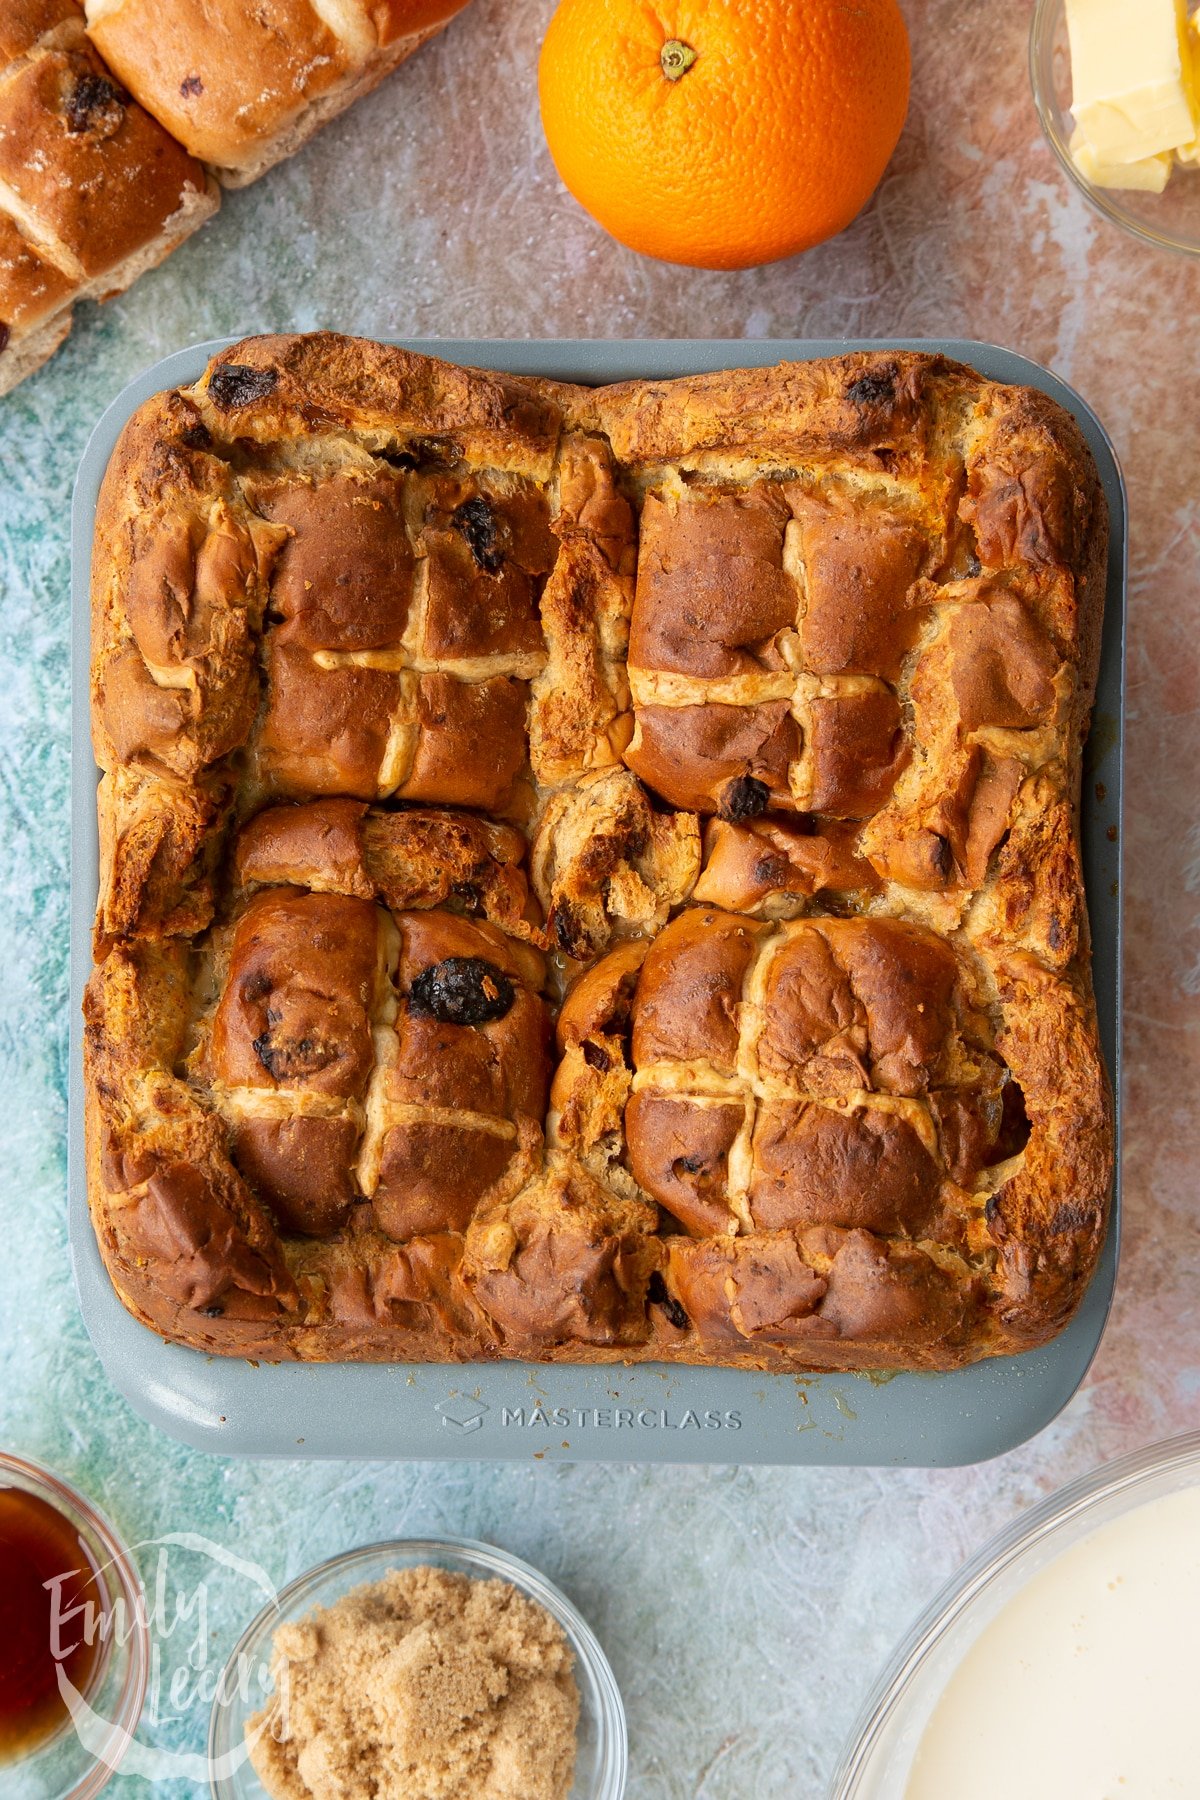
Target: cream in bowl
1060 1662
1083 1687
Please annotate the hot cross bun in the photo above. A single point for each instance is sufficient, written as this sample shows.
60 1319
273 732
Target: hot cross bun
594 874
121 120
92 190
242 86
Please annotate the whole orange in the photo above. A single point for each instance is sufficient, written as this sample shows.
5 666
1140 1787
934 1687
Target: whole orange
723 133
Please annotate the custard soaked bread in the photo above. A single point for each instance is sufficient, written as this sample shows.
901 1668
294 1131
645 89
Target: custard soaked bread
594 874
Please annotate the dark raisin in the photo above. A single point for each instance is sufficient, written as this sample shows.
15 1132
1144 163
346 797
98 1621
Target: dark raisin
5 334
95 104
771 871
236 384
991 1211
289 1060
436 453
197 436
470 895
191 84
659 1296
462 990
942 857
214 1312
596 1056
479 525
974 567
872 390
745 797
688 1165
570 932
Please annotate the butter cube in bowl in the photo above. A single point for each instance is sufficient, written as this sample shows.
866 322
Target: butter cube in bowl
1117 88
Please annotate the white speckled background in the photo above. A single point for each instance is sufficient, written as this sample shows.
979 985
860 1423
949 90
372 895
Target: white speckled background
745 1611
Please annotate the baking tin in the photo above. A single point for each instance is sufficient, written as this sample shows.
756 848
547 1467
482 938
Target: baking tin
647 1412
602 1747
878 1757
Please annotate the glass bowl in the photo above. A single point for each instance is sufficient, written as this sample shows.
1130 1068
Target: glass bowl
603 1754
80 1759
878 1759
1171 220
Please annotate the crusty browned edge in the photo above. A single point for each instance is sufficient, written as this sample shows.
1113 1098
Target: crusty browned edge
325 383
323 111
1049 1219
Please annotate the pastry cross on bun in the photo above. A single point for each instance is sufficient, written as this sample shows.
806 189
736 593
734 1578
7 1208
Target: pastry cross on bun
594 874
356 1053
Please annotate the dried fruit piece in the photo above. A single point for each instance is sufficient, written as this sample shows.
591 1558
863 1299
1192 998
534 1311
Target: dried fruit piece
236 384
94 104
745 797
658 1295
462 990
289 1059
431 453
481 528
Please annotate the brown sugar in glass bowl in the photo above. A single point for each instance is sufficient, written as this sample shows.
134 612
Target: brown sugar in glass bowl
600 1742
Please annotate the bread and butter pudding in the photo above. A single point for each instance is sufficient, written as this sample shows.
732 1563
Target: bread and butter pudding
593 874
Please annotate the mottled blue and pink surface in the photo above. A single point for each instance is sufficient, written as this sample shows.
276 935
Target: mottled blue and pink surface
745 1611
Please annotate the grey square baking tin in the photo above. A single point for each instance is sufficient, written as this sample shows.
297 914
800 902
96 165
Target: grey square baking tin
648 1412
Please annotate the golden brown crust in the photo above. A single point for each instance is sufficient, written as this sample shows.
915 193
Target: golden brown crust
241 87
26 23
32 289
105 178
92 189
223 78
826 1090
112 139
